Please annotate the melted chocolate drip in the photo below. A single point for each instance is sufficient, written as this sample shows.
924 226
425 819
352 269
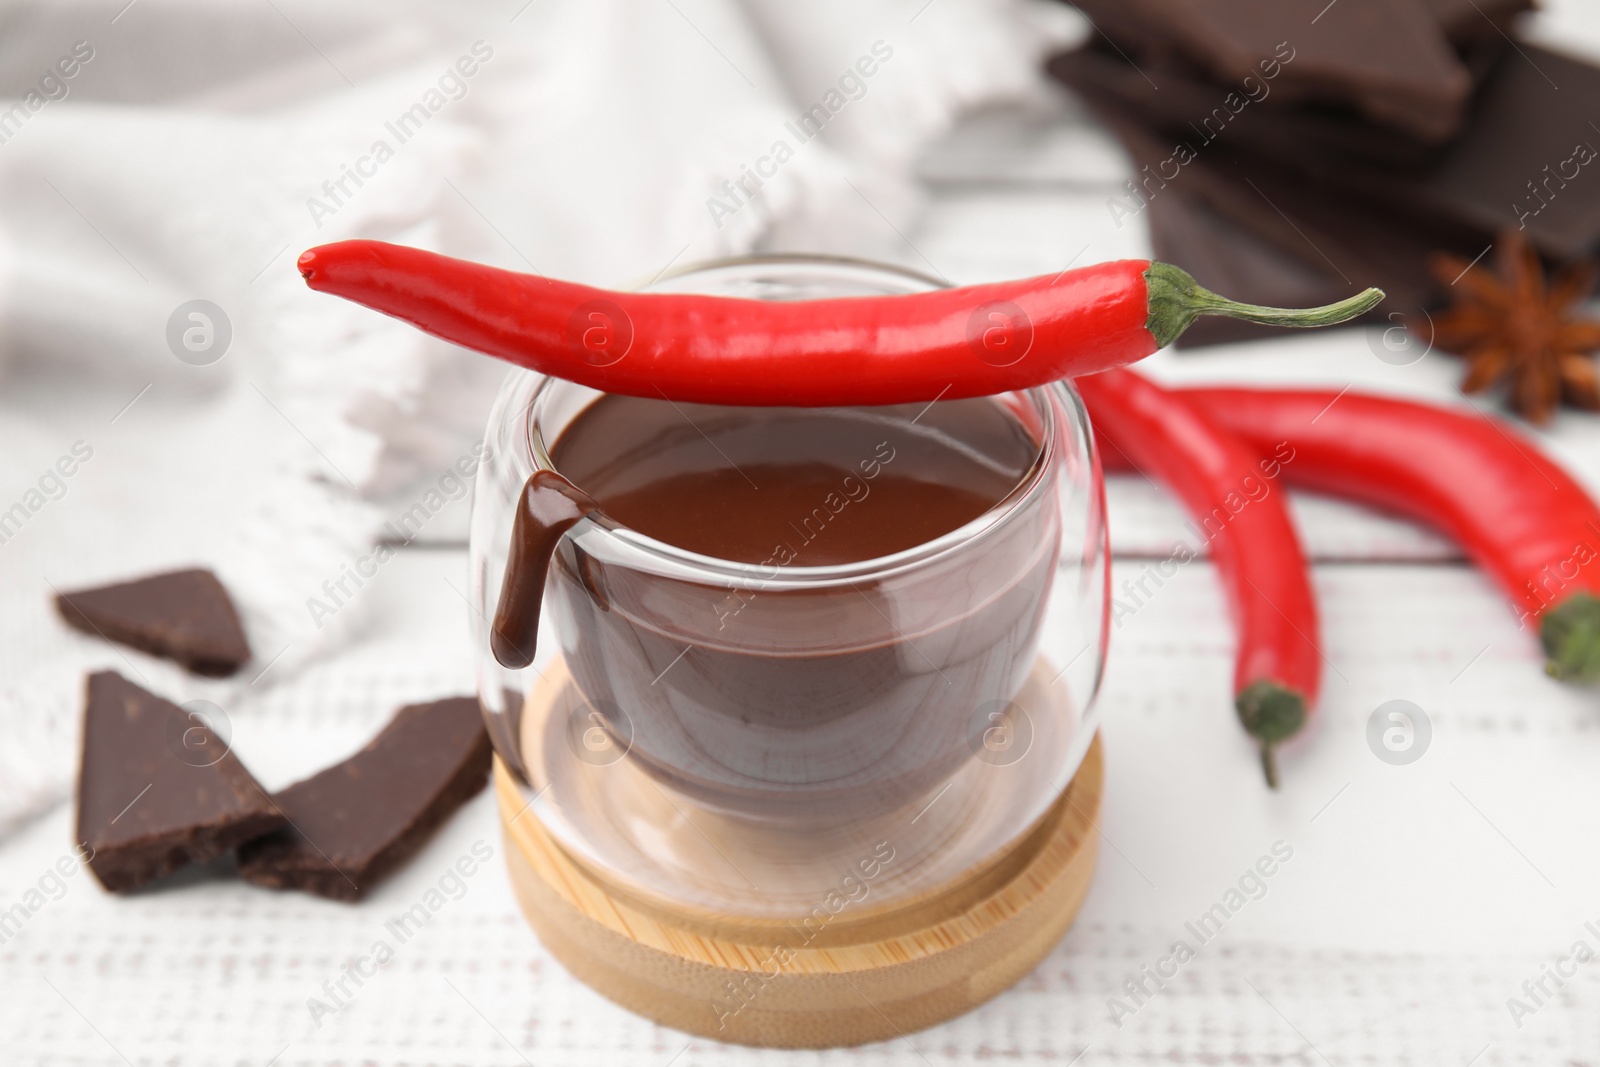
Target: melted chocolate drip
549 507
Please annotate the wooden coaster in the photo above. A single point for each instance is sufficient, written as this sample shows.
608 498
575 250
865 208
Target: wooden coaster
810 982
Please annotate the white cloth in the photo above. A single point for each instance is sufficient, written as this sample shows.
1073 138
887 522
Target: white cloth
196 148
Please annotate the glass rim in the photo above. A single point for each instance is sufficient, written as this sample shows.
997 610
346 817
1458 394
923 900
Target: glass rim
604 537
779 259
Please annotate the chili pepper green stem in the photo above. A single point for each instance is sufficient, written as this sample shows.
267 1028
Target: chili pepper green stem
1176 300
1570 633
1270 713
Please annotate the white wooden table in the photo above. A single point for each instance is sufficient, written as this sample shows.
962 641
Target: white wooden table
1417 899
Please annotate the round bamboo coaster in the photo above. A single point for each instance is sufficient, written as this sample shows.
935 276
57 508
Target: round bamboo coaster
811 981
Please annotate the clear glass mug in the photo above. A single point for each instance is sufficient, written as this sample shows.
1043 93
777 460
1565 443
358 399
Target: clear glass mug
731 736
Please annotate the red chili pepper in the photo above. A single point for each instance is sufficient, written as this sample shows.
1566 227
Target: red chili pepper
950 343
1518 515
1227 491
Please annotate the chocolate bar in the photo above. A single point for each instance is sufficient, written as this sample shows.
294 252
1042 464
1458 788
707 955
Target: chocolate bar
183 615
1385 59
1467 21
1182 104
1530 158
1525 160
1317 223
1225 259
157 788
353 823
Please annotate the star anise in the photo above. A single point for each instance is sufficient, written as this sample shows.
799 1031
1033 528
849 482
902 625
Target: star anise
1511 326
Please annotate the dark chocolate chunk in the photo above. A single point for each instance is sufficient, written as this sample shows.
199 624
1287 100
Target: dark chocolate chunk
157 789
182 615
1190 110
1466 21
1278 199
1179 97
1530 157
1225 259
1386 59
1311 219
356 821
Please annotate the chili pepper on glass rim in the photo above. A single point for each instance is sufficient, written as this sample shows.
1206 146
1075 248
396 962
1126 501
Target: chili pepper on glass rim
949 343
1277 668
1521 518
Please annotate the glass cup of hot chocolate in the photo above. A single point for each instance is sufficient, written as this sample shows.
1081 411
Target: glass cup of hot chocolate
793 645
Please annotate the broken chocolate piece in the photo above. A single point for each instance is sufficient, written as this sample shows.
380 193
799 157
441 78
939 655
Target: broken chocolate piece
1320 224
1530 158
184 615
356 821
1387 59
1225 259
1466 21
157 789
1190 110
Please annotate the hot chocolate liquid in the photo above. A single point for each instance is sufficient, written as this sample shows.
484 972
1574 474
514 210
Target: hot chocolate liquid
760 696
803 487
